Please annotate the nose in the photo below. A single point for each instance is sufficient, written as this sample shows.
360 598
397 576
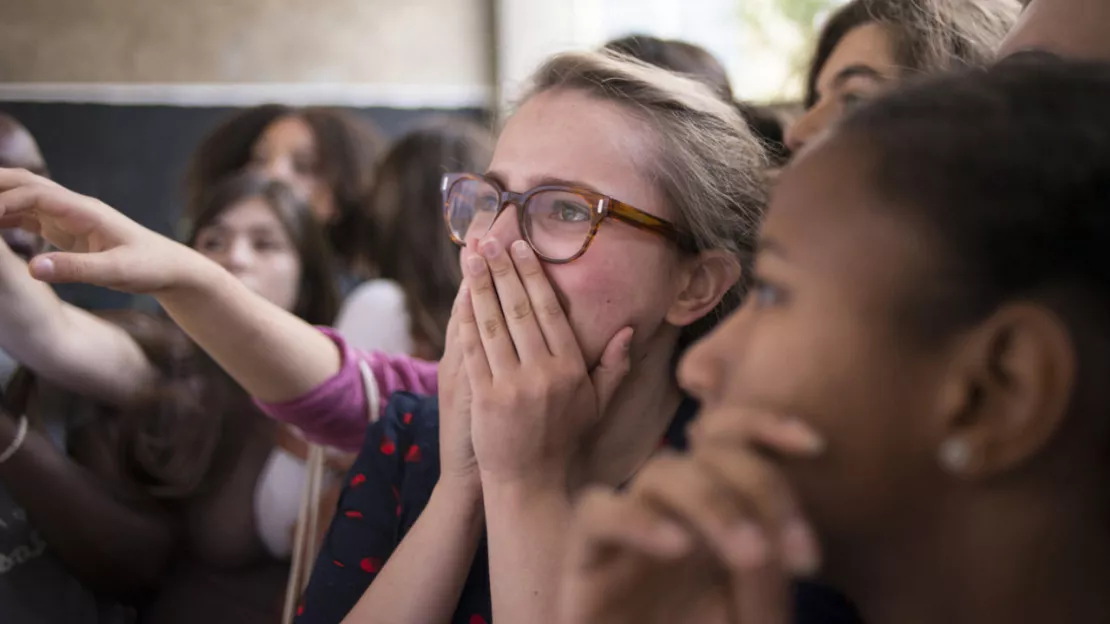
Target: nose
280 169
238 257
704 369
806 128
506 228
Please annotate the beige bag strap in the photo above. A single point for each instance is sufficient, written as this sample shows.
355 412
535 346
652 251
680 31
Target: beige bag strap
304 540
305 543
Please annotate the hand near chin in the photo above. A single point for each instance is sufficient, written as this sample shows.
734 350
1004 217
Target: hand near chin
458 467
714 536
99 245
533 398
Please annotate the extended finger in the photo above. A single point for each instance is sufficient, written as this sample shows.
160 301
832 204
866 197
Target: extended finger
761 592
549 312
772 507
492 330
516 307
606 522
100 269
80 215
473 353
12 178
689 492
783 434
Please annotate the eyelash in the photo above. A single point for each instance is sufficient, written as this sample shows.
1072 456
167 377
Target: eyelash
850 100
761 288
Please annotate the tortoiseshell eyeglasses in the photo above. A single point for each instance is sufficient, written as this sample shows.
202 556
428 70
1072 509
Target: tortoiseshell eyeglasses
559 222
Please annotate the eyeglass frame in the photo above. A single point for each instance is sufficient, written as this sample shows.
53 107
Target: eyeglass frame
603 205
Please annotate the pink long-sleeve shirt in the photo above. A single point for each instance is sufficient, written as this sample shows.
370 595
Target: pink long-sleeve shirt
337 412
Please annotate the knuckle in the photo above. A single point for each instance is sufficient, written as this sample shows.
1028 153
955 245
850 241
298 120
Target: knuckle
551 309
481 284
500 269
529 267
521 310
491 328
759 483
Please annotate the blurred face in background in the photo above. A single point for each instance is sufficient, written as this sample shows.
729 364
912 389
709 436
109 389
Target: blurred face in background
18 150
287 150
861 65
249 240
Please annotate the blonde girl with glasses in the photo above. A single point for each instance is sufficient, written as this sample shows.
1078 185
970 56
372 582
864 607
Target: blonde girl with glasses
559 367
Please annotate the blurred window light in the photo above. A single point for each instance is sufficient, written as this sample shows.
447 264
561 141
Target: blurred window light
765 44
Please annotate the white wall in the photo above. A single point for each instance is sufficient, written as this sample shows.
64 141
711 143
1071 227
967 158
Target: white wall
402 50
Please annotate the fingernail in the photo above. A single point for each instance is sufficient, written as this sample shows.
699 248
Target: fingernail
672 539
42 268
628 340
747 547
490 248
476 265
521 249
800 549
807 435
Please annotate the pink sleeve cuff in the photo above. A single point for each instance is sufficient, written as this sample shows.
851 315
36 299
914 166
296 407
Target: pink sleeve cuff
337 412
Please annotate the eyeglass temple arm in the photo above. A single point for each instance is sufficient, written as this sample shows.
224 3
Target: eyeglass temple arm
652 223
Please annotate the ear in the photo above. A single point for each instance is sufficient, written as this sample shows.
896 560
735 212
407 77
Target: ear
706 279
1008 393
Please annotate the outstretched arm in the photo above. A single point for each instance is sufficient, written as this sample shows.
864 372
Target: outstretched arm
273 354
65 344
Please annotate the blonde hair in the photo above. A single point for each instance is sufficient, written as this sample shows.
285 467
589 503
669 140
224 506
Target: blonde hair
929 36
706 162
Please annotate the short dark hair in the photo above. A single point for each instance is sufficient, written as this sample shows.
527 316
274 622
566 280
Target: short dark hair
1007 173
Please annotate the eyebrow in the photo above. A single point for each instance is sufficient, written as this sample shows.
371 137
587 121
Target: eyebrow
857 71
546 181
770 246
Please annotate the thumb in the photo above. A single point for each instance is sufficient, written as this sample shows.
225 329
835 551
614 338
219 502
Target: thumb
615 363
98 269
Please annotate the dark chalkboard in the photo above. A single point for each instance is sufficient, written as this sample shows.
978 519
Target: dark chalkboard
134 158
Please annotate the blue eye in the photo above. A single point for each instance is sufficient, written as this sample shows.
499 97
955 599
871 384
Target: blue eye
764 294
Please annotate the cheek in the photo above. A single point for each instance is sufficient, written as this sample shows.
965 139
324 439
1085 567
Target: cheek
321 198
282 280
604 293
868 399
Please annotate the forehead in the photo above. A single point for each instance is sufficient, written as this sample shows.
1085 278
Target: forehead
1077 29
249 214
567 134
832 227
867 45
288 130
19 149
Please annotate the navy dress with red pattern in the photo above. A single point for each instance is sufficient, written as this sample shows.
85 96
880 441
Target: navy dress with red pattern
388 488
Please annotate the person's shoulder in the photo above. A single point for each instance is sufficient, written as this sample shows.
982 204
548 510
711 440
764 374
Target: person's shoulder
375 294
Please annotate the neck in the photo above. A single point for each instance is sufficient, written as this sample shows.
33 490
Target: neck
636 418
1045 562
